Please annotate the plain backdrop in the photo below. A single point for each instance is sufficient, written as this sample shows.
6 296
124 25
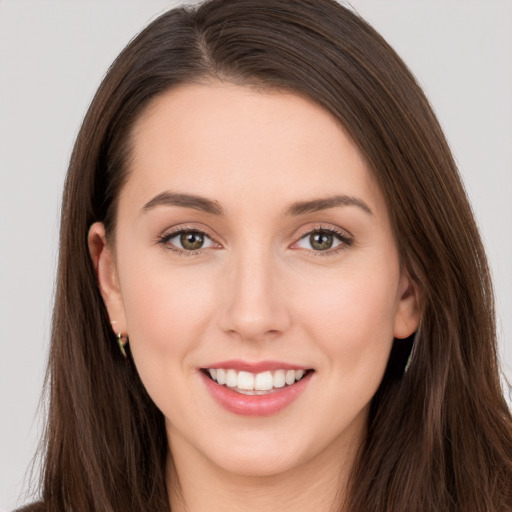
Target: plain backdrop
53 55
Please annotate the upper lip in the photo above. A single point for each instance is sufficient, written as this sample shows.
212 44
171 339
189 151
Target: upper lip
256 366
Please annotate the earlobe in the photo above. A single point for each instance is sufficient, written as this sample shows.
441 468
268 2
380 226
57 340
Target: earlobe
408 312
106 274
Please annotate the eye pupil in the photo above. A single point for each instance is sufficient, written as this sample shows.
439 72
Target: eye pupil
192 240
321 241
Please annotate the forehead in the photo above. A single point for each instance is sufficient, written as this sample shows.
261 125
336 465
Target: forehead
223 140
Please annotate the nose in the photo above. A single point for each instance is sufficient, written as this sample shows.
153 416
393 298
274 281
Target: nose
255 303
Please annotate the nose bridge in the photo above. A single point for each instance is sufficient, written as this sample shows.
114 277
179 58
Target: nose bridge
255 306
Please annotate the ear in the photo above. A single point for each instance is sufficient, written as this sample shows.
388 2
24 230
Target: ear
106 273
408 313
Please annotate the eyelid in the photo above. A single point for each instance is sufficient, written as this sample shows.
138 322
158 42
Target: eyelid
306 230
346 238
168 234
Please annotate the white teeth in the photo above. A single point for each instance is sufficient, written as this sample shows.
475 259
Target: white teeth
263 381
231 379
221 376
290 377
279 378
255 384
245 380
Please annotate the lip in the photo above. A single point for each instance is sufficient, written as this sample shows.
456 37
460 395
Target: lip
255 405
256 367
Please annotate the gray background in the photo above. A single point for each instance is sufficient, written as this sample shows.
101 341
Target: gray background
52 57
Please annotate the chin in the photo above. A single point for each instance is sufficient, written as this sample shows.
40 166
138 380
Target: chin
259 464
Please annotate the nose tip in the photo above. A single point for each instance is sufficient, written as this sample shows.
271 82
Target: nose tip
255 309
252 331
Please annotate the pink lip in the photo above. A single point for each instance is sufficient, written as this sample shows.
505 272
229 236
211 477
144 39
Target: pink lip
255 405
256 367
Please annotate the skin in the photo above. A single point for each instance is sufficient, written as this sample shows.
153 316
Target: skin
257 291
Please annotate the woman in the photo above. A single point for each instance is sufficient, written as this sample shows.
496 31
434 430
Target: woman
271 291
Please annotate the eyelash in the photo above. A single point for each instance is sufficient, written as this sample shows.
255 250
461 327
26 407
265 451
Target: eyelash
345 240
166 238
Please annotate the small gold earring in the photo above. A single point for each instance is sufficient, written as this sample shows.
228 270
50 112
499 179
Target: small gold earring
119 338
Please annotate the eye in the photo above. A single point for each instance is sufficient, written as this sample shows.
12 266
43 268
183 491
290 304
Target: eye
323 240
187 240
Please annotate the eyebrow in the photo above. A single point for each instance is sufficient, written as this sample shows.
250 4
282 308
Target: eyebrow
316 205
185 201
213 207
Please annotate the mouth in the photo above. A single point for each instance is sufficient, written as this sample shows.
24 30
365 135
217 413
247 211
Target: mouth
261 389
262 383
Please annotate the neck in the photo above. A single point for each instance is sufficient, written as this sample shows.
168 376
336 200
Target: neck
318 485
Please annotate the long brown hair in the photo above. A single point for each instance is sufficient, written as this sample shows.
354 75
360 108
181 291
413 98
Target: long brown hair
440 434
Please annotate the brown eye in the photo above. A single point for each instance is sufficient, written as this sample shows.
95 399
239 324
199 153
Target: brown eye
192 240
324 240
187 241
321 240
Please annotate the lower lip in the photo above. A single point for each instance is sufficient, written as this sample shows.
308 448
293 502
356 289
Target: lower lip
256 405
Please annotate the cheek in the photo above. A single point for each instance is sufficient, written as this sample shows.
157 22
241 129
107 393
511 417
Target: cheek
351 315
165 307
166 310
352 326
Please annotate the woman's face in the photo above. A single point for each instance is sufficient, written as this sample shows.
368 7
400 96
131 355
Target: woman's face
254 245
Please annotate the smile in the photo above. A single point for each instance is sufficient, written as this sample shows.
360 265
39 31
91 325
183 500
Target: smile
259 389
261 383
